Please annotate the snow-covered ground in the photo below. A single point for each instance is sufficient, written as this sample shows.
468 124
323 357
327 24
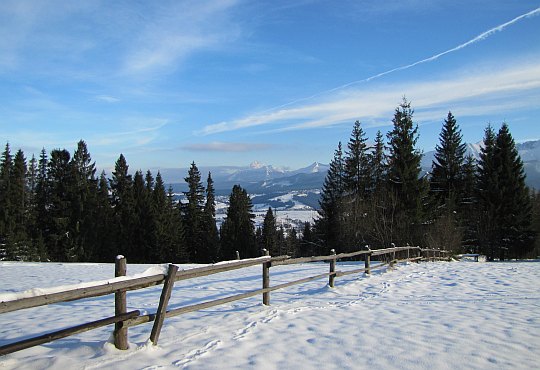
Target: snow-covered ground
458 315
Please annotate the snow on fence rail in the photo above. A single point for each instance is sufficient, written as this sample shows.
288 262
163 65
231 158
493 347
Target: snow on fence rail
121 284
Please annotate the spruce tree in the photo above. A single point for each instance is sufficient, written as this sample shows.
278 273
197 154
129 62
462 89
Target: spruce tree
104 230
122 201
269 233
59 237
377 165
468 206
210 234
514 210
486 190
193 215
329 225
144 236
176 230
404 175
82 195
6 168
357 182
238 230
446 179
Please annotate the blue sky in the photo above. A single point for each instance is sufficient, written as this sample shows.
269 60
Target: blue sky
228 82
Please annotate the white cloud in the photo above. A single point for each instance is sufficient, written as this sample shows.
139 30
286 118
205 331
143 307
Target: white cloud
107 99
474 93
173 32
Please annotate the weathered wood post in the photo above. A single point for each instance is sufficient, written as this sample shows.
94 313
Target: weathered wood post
367 263
332 275
163 302
120 306
266 279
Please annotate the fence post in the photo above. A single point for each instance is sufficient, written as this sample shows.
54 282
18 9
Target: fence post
163 302
266 279
332 275
367 264
120 306
237 255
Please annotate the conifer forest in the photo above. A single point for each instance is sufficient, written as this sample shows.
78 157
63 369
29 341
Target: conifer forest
58 208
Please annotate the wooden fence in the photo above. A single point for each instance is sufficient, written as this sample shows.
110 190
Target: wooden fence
124 319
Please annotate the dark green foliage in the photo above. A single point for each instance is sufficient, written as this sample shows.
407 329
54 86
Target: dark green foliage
404 175
269 233
513 211
193 213
122 201
446 179
238 230
357 182
210 234
330 226
447 188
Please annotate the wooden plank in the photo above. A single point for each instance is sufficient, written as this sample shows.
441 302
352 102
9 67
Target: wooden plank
120 306
127 285
163 302
80 293
49 337
350 272
200 306
219 267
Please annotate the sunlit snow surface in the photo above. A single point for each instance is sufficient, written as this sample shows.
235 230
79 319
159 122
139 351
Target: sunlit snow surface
459 315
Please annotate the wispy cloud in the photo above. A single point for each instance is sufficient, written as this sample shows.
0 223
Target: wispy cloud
107 99
143 132
337 108
474 93
175 31
219 146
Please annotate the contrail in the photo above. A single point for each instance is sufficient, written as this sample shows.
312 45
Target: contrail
478 38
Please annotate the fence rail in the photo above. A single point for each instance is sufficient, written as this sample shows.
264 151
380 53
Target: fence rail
121 284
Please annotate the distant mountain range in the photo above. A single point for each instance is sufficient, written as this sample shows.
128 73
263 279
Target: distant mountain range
259 178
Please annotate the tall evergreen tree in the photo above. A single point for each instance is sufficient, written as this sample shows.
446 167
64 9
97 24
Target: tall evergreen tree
377 164
82 195
269 233
193 215
144 236
122 200
104 231
330 226
238 230
486 188
60 239
210 234
357 182
6 169
447 169
404 174
468 206
514 208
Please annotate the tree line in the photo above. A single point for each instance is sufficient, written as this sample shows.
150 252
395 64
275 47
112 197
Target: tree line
377 195
56 208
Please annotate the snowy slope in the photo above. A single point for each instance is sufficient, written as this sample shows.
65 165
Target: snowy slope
418 316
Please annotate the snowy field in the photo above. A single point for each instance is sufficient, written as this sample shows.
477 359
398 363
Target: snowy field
458 315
